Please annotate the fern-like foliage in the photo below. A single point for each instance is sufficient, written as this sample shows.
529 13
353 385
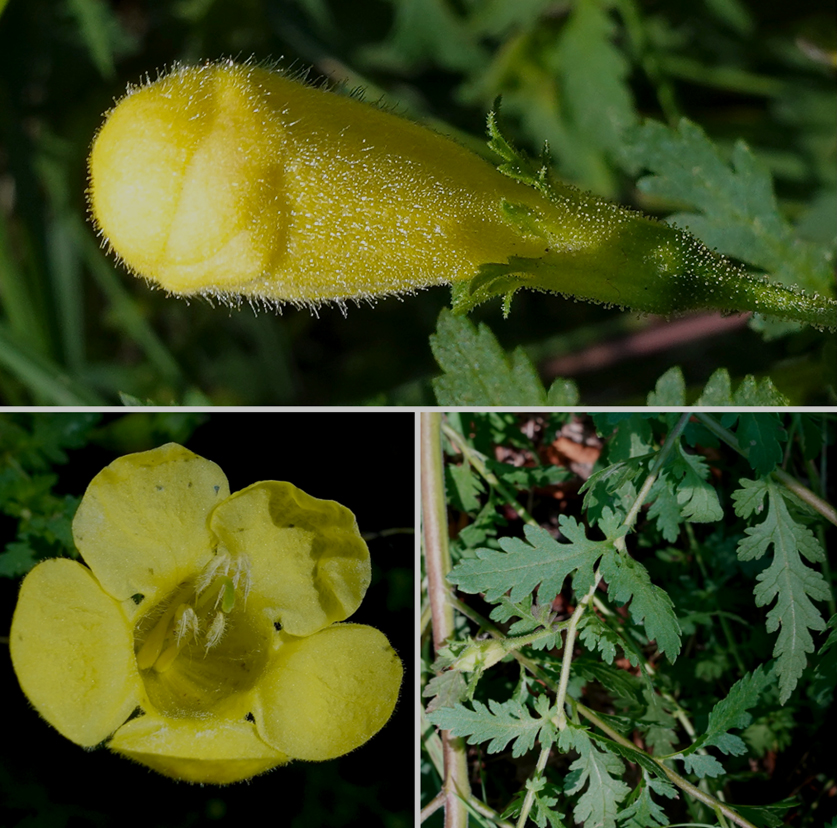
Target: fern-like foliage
731 712
788 580
500 724
598 773
618 718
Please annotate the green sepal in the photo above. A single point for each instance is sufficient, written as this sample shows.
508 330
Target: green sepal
603 253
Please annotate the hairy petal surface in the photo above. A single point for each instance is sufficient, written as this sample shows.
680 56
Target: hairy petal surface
72 650
216 751
142 524
328 693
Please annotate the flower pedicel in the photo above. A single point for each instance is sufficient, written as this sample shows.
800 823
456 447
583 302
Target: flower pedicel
203 638
234 181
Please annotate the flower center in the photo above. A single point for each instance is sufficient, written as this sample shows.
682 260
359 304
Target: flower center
199 646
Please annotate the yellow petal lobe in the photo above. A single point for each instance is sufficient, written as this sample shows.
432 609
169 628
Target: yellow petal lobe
142 524
310 566
72 650
328 693
195 750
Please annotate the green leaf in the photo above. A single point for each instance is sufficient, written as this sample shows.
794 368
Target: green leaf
502 723
750 392
464 487
735 210
598 101
731 712
600 771
526 477
522 566
664 508
702 765
445 690
670 389
99 28
562 392
543 811
762 436
427 30
771 816
595 635
660 724
17 559
477 370
787 579
643 812
569 89
628 580
698 500
483 527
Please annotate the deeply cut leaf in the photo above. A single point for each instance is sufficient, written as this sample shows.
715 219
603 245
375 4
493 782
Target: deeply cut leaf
788 580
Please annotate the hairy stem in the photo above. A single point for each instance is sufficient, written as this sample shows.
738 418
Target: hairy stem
629 521
437 558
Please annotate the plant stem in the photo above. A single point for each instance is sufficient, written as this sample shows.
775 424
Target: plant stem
477 460
529 799
802 492
619 543
437 558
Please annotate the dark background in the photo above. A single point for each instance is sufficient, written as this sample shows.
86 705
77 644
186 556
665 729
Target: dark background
364 461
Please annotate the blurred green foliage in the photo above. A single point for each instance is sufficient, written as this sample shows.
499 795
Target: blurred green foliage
583 75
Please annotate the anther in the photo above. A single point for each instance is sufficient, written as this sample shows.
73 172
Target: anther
221 561
186 624
154 641
216 630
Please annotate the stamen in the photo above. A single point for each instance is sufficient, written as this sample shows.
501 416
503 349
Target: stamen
216 631
220 561
242 573
153 644
217 586
185 623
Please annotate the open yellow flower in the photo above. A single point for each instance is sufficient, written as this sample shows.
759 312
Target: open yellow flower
203 640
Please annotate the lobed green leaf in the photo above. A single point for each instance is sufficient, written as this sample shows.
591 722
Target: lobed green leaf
499 724
628 580
787 580
536 562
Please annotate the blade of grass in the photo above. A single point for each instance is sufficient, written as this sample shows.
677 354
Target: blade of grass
47 381
130 318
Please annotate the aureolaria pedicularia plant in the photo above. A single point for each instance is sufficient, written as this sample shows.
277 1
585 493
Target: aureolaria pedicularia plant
203 637
233 181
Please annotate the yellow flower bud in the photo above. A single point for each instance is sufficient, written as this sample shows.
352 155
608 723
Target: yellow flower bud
233 181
